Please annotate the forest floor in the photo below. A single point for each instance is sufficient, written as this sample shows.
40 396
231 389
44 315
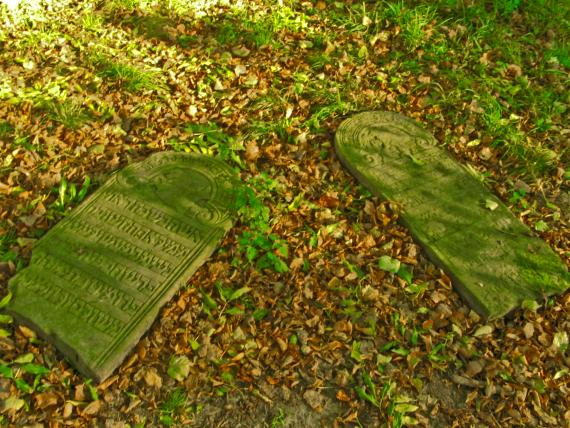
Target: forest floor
320 335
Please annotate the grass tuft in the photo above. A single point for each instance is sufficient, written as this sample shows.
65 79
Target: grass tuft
132 78
69 113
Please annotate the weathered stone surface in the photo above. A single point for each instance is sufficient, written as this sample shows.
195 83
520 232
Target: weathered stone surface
494 259
97 279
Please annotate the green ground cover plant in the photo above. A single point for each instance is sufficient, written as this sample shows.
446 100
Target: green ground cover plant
318 308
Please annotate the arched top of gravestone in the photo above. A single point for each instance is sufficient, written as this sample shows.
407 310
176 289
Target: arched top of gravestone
187 185
495 260
98 278
393 131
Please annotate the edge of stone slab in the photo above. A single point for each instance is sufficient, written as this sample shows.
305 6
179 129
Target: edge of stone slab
61 346
101 373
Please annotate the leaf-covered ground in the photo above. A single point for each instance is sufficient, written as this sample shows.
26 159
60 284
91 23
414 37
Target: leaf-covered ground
297 319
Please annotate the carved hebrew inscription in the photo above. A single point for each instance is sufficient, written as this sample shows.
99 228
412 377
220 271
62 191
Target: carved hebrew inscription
97 279
495 260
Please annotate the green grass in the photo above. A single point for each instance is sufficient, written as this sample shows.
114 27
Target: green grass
279 419
132 78
208 139
174 403
39 36
6 129
7 240
266 130
325 112
358 17
227 33
120 6
92 22
413 22
69 113
263 30
480 58
260 33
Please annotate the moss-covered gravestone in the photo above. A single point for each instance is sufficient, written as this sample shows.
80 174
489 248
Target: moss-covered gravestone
97 279
495 260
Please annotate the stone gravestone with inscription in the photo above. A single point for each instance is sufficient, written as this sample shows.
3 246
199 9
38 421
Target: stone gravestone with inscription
97 279
494 259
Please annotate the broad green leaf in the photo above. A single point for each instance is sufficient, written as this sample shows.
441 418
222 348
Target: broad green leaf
208 301
227 377
390 345
179 367
415 336
314 241
473 143
409 421
405 408
401 351
541 226
389 264
259 314
4 333
355 352
97 148
296 202
62 191
35 369
278 265
238 293
368 382
539 385
24 359
23 386
13 403
92 390
235 311
6 371
84 189
225 292
365 396
8 160
193 344
405 273
382 359
166 420
416 288
251 253
72 191
281 248
5 300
